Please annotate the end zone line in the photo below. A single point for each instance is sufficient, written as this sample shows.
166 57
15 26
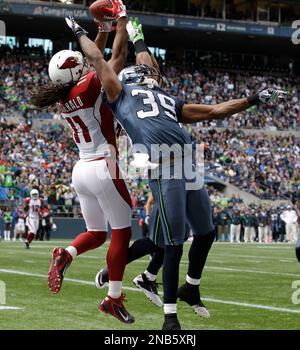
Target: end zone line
212 300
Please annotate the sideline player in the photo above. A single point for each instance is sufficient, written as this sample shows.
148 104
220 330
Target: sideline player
151 116
20 218
33 206
297 248
102 192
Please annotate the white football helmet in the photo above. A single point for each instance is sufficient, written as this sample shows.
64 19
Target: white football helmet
67 67
34 194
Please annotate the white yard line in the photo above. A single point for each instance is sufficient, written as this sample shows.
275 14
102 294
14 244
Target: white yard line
290 246
251 256
185 262
219 301
252 271
255 306
10 308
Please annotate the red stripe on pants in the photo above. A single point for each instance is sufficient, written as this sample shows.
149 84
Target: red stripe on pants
118 181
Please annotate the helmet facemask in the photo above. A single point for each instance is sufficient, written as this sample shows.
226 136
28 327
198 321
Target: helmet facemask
141 75
34 194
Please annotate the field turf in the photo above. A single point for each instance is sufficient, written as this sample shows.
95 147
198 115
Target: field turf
244 286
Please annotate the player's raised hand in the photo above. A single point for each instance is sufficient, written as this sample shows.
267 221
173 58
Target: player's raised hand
135 30
75 27
272 95
268 96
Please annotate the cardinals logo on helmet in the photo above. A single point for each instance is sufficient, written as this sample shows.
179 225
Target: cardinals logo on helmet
70 62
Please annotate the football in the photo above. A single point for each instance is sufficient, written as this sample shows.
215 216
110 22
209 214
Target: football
102 10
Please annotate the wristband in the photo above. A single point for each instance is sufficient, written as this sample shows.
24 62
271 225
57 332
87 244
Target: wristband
253 100
140 46
81 33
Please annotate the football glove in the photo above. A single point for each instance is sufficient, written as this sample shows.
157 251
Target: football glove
268 96
135 30
77 30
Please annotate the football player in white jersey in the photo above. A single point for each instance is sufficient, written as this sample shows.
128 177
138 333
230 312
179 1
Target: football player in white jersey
33 206
103 195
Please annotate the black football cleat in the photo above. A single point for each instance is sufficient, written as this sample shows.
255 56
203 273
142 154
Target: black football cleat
149 288
171 323
102 279
191 295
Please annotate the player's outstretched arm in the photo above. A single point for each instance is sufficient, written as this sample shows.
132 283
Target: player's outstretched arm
136 36
120 46
192 113
104 28
107 75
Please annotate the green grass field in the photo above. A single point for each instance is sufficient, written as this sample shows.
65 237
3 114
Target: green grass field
244 286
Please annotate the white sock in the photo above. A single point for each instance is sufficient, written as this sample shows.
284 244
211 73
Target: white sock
192 281
170 309
114 289
150 276
73 251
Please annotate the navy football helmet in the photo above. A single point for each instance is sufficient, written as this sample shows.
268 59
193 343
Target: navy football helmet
141 74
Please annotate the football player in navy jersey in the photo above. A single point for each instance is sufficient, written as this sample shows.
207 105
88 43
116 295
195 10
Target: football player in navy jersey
150 116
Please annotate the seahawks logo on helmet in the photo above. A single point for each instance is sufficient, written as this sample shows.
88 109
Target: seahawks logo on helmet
141 74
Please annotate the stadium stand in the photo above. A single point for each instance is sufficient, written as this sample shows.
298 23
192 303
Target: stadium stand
266 166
